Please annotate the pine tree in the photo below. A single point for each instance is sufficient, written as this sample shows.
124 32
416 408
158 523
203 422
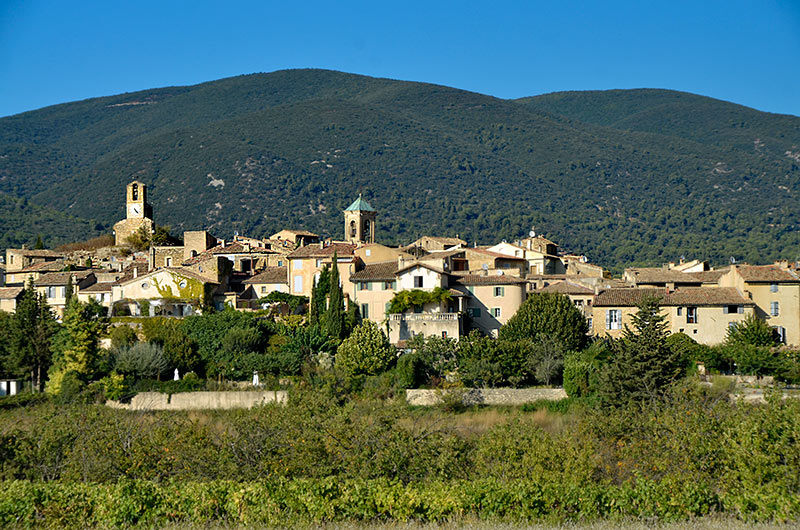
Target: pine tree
643 365
78 345
334 316
32 330
39 243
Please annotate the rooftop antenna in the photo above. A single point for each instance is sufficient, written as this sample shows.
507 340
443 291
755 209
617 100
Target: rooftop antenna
532 233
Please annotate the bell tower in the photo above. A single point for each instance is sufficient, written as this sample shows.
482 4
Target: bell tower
359 222
138 213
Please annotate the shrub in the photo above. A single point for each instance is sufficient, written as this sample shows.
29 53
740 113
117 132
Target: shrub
365 352
123 336
142 360
753 331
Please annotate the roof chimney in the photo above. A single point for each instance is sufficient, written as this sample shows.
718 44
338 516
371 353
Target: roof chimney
135 271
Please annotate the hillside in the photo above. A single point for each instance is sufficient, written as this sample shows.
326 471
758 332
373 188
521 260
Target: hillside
632 176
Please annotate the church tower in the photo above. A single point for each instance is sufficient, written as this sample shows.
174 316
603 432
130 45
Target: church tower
138 213
359 222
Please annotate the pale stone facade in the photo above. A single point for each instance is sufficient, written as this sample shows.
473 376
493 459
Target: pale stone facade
138 214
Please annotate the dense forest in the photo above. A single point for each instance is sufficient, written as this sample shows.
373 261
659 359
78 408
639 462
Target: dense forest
625 176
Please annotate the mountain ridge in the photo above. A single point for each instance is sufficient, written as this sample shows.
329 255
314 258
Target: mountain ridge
662 168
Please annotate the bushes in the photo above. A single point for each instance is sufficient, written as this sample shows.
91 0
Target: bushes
143 360
366 351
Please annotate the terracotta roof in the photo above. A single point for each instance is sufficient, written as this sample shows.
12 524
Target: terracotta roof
127 274
494 254
315 251
692 296
420 264
270 275
177 270
41 253
659 275
44 266
566 288
494 279
383 271
61 278
298 233
766 273
98 288
8 293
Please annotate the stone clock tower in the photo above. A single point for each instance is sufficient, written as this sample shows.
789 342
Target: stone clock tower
359 222
139 214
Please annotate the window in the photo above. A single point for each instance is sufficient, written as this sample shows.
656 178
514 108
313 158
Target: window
691 315
774 309
364 286
589 321
733 309
145 285
773 287
495 312
364 310
417 281
169 262
731 325
319 263
183 284
780 331
51 292
263 289
368 252
474 312
613 319
297 264
579 304
499 291
298 284
280 263
388 286
444 334
680 311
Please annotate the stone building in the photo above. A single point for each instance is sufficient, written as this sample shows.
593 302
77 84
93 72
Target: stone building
139 214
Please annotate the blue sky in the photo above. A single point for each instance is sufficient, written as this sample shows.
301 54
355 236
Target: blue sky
747 52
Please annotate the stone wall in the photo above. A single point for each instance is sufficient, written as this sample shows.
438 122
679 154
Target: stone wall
201 400
486 396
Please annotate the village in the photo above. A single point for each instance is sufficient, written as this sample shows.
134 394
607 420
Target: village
469 287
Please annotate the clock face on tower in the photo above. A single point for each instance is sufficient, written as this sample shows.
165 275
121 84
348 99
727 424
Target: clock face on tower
135 210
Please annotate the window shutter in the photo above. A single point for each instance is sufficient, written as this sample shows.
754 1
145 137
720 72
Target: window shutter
608 318
741 309
725 310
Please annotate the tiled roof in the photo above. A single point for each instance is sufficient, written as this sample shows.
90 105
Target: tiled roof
127 274
659 275
270 275
180 271
315 251
566 288
494 254
766 273
42 253
359 205
420 264
8 293
98 288
44 266
445 240
235 247
298 233
61 278
494 279
692 296
384 271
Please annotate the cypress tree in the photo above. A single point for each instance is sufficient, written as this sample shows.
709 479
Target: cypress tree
68 291
334 316
39 243
32 330
643 365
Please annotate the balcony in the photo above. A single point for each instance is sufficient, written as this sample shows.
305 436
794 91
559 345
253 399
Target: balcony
423 317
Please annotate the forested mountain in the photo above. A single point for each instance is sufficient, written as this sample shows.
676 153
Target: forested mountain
628 176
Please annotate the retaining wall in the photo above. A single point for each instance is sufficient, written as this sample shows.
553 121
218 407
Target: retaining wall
486 396
201 400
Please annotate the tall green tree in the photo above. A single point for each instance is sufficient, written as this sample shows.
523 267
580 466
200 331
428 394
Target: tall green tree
39 243
319 296
31 334
69 290
77 347
548 316
366 351
751 331
335 314
642 364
